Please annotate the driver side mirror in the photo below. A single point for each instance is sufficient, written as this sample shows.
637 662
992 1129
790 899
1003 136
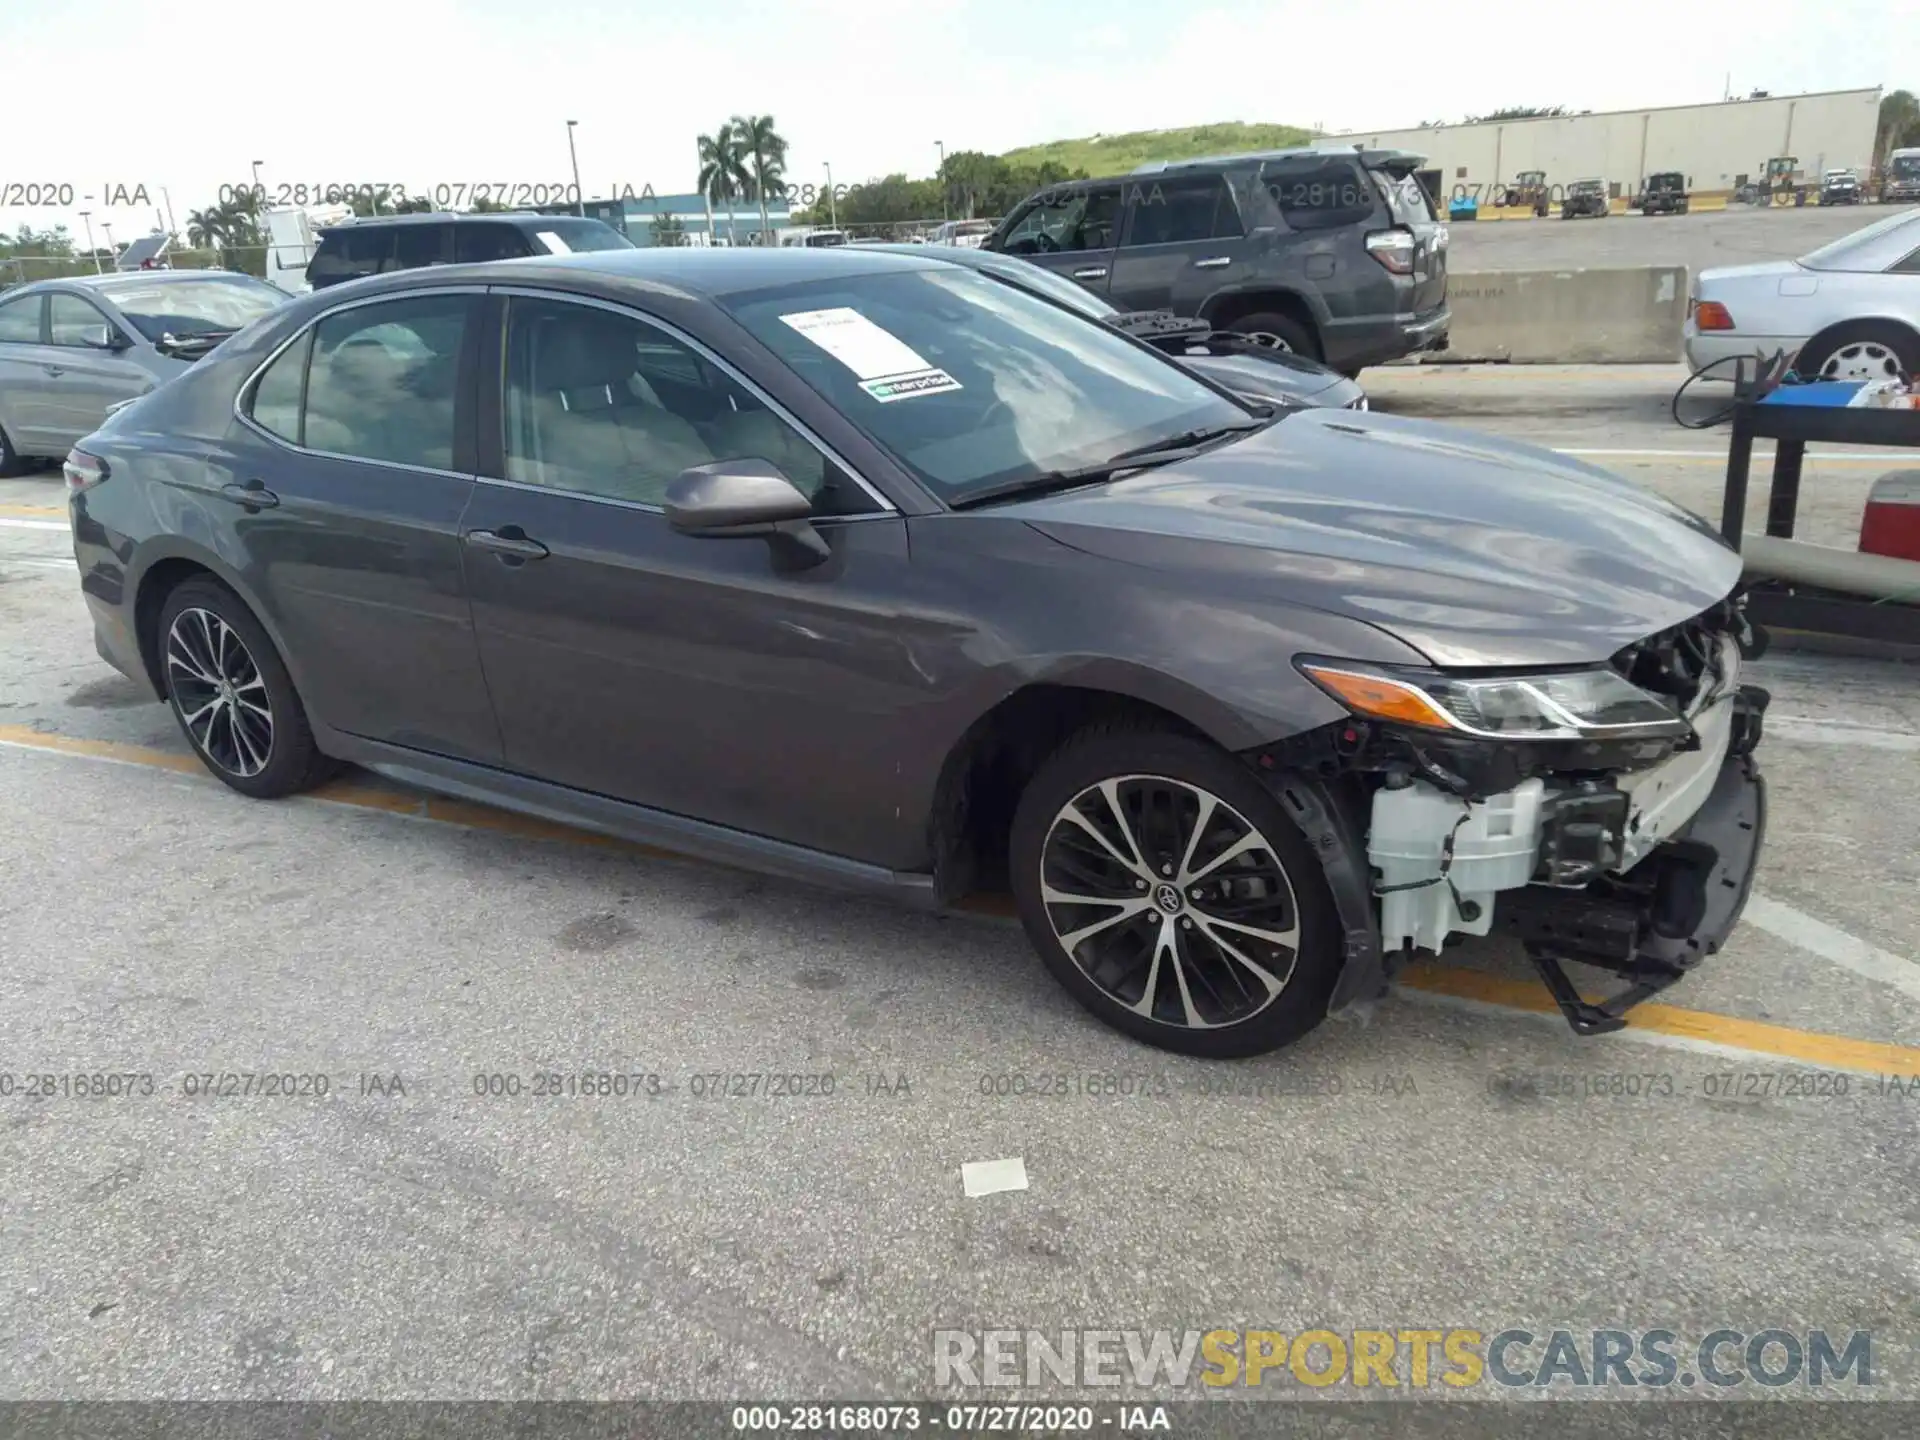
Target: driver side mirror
743 499
102 337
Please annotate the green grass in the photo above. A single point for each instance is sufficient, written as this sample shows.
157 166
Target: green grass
1116 154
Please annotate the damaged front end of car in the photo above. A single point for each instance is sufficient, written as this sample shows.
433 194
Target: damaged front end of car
1610 816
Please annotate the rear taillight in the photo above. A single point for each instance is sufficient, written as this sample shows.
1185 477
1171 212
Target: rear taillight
1393 249
83 471
1711 315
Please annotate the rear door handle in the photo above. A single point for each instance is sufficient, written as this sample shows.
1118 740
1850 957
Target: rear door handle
254 495
509 542
1213 262
1099 272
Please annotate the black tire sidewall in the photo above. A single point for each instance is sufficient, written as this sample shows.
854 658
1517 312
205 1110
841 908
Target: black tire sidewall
1903 343
293 760
12 462
1103 753
1300 340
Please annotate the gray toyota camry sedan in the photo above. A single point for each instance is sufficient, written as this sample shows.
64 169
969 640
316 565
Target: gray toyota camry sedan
879 573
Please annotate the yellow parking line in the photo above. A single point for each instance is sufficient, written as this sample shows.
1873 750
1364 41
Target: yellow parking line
34 510
1807 1046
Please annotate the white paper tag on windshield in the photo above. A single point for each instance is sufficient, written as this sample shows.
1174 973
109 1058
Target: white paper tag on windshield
555 244
859 344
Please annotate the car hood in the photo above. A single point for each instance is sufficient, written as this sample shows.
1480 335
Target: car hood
1265 375
1476 551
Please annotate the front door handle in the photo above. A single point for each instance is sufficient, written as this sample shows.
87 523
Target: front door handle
1213 262
254 495
509 542
1098 272
55 371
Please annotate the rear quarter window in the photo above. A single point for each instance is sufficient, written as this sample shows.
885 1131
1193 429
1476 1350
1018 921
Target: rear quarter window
1318 192
350 254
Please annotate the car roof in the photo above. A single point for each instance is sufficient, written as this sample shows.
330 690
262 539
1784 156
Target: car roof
694 271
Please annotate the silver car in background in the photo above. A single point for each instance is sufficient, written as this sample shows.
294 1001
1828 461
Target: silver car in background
1851 309
72 349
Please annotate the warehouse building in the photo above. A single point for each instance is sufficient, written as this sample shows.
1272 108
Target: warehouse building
1719 146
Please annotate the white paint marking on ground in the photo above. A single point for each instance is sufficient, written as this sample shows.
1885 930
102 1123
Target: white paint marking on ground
1699 454
1835 732
1817 937
13 524
1507 1013
990 1177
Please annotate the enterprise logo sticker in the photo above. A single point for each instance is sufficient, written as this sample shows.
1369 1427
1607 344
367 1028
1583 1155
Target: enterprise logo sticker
905 387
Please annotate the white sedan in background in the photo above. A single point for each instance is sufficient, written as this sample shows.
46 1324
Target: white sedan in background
1851 309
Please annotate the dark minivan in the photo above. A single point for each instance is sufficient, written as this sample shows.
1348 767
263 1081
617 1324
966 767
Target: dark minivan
381 243
1333 253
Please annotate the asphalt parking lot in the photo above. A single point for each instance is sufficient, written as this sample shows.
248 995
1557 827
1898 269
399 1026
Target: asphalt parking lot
1737 235
1743 1157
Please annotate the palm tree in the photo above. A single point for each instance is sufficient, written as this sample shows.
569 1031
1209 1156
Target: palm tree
763 151
723 171
206 229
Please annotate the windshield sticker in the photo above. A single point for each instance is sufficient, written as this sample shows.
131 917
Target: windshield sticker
905 387
555 244
859 344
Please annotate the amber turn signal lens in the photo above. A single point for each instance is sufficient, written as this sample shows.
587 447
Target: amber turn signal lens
1382 699
1712 315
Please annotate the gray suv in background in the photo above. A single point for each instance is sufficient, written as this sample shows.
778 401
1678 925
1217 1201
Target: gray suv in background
1332 253
381 244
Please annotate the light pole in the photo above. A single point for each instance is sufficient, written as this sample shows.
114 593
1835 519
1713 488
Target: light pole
257 189
833 209
579 197
941 173
90 250
112 249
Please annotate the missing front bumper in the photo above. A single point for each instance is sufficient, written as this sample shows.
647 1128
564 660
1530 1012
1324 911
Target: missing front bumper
1677 907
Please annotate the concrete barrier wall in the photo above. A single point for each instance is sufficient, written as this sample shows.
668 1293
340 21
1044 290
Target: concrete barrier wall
1630 316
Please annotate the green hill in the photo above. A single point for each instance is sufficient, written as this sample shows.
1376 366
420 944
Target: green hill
1116 154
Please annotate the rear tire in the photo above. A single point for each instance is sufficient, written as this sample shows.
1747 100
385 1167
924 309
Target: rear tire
1204 925
232 694
1267 327
12 463
1861 350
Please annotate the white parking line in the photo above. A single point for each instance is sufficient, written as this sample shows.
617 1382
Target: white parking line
1817 937
13 524
1697 453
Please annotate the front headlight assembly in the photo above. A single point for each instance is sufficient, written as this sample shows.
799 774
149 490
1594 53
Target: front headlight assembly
1593 704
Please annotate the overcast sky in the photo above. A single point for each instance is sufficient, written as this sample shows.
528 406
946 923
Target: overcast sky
185 94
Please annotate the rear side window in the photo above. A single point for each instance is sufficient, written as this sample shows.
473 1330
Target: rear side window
1406 200
20 320
380 382
417 246
348 254
1319 192
281 391
473 244
1165 212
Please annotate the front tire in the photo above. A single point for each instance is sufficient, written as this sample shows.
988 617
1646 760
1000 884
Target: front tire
232 694
1169 893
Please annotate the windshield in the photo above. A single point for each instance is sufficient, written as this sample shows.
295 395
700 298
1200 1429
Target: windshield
580 236
182 307
1907 167
1586 187
820 239
972 384
1664 182
1054 286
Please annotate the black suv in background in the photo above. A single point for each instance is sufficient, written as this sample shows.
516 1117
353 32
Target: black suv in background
380 243
1333 253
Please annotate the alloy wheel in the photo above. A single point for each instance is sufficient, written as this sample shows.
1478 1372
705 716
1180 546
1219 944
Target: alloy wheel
1267 339
1862 360
1170 901
220 693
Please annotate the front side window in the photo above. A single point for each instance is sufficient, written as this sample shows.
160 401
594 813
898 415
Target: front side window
1167 212
72 321
20 320
417 246
971 383
216 305
605 404
382 379
1080 219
